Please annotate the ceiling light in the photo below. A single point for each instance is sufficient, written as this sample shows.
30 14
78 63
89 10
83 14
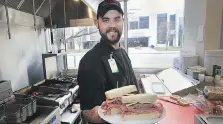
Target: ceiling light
90 14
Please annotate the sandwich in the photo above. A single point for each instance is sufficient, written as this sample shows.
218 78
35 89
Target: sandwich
141 106
131 106
113 103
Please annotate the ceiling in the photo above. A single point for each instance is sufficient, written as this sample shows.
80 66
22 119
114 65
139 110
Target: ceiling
62 11
41 6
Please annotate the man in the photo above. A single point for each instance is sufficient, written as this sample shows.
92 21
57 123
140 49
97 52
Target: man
107 65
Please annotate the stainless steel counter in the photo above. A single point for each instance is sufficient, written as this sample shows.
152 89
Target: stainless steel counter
71 118
208 119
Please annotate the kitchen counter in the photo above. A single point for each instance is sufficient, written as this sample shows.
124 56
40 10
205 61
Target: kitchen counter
172 83
176 114
71 118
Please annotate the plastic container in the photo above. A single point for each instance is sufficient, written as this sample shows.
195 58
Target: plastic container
187 61
15 113
27 104
213 93
2 115
28 98
203 104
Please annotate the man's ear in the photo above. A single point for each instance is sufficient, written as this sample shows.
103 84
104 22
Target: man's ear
96 23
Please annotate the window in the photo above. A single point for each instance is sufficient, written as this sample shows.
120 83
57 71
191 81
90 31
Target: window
133 25
79 41
162 28
173 22
144 22
94 35
154 47
150 48
138 42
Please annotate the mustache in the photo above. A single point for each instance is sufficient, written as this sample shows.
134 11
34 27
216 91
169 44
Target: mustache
112 30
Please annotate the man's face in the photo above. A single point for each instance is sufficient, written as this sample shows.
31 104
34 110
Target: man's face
110 26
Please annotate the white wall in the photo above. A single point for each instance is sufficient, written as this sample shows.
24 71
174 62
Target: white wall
20 58
213 24
194 16
222 32
209 14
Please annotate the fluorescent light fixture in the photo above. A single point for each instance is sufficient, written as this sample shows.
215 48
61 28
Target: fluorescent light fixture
90 13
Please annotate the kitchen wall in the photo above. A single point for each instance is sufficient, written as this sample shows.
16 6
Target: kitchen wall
194 17
213 24
206 13
20 56
222 32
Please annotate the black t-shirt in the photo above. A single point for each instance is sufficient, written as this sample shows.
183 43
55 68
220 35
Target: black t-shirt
95 76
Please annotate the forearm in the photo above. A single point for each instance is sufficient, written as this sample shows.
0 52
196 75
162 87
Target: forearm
92 116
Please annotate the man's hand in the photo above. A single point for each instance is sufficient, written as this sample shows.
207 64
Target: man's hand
92 115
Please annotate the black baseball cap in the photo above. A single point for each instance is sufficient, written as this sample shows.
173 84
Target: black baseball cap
107 5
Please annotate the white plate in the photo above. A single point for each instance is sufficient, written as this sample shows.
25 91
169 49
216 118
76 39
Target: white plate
117 119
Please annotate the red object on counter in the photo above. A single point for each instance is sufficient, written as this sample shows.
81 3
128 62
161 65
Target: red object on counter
176 114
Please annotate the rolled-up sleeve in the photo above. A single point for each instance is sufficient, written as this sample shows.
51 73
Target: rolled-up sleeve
91 87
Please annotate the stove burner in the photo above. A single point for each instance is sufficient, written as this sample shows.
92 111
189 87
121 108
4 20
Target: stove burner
42 91
67 78
59 84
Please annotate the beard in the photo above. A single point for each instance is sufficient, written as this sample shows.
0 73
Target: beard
104 35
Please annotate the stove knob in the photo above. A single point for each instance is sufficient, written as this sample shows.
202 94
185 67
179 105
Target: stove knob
62 106
74 95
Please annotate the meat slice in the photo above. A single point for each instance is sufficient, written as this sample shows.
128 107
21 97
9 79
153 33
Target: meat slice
112 106
145 108
116 106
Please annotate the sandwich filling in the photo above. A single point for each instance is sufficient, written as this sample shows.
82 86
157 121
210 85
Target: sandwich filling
137 108
108 105
143 108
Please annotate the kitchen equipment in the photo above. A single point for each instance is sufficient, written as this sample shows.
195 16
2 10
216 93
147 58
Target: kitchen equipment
8 100
64 84
201 77
216 70
151 84
213 57
176 63
194 71
175 81
14 113
2 115
208 79
208 119
28 104
158 88
5 90
186 61
49 96
71 118
45 115
28 99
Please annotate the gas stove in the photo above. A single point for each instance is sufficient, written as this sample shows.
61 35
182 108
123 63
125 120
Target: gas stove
67 78
65 82
53 93
59 84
